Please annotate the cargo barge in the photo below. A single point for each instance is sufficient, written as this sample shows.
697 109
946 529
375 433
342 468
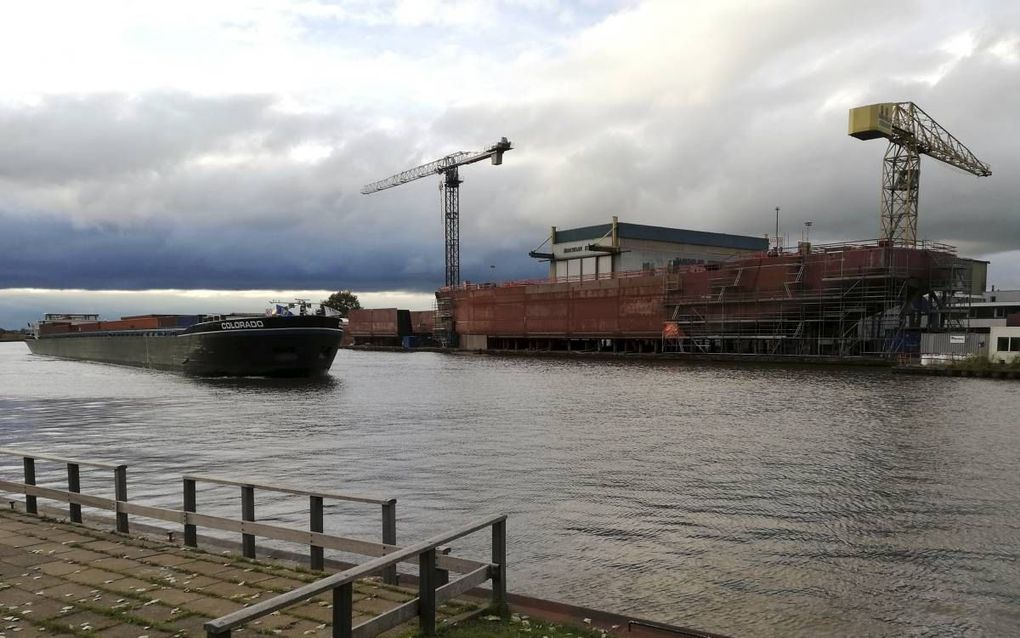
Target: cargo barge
273 345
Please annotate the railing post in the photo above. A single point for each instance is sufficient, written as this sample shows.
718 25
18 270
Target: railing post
31 503
74 485
442 575
190 505
315 558
389 537
499 559
427 592
248 514
343 610
120 494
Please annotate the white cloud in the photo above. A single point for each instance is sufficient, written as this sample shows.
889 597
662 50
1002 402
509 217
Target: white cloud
235 122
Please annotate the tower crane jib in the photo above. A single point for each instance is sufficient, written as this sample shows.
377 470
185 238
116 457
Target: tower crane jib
450 184
911 133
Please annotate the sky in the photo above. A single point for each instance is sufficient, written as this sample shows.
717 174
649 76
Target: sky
152 154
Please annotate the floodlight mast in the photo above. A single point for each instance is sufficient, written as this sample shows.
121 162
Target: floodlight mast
450 185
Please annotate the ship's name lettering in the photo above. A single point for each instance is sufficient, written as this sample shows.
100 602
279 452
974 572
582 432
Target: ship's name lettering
233 325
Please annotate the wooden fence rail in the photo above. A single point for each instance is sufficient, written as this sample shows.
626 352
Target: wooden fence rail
431 555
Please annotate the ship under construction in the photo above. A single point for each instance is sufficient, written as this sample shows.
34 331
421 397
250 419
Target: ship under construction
633 288
868 299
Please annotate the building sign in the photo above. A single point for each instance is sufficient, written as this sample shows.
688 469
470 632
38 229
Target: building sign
957 338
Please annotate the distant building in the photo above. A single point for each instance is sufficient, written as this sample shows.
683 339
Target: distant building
1004 344
994 309
620 247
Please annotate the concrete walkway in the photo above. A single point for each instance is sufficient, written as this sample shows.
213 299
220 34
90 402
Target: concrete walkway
60 579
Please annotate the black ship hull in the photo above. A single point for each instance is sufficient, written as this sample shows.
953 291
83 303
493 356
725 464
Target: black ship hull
300 346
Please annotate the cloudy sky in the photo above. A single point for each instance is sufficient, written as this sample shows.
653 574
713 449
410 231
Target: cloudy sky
185 147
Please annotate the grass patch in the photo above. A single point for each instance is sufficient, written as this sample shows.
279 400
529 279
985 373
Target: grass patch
491 626
980 362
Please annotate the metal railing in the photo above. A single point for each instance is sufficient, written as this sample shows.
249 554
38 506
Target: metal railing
434 564
430 592
73 498
315 508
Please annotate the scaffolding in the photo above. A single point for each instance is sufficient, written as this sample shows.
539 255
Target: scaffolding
861 299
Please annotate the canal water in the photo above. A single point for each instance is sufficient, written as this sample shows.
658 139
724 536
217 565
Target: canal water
748 500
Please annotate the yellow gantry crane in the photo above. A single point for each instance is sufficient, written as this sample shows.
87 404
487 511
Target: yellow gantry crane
911 133
450 185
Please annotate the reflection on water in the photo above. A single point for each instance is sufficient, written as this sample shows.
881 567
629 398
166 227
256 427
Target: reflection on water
752 500
308 386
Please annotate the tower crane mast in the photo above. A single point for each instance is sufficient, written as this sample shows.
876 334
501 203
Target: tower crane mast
448 167
911 133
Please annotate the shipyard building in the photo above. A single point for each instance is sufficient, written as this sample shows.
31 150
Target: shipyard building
621 247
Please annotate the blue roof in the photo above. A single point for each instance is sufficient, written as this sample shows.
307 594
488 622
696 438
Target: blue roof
661 233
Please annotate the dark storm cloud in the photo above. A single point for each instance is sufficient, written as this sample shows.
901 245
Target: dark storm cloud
646 117
54 254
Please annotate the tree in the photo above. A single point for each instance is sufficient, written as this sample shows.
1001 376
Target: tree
343 301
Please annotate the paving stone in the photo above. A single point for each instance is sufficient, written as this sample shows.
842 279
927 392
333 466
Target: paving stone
191 581
135 552
276 620
68 591
308 628
188 626
14 596
230 590
116 564
35 582
93 577
27 559
32 631
59 568
69 586
211 607
20 540
69 537
375 606
42 608
131 586
83 619
132 631
156 612
236 575
101 546
168 560
51 549
315 612
205 568
279 584
173 596
83 556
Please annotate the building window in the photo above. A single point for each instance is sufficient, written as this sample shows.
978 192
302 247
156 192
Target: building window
999 313
1014 344
1002 344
